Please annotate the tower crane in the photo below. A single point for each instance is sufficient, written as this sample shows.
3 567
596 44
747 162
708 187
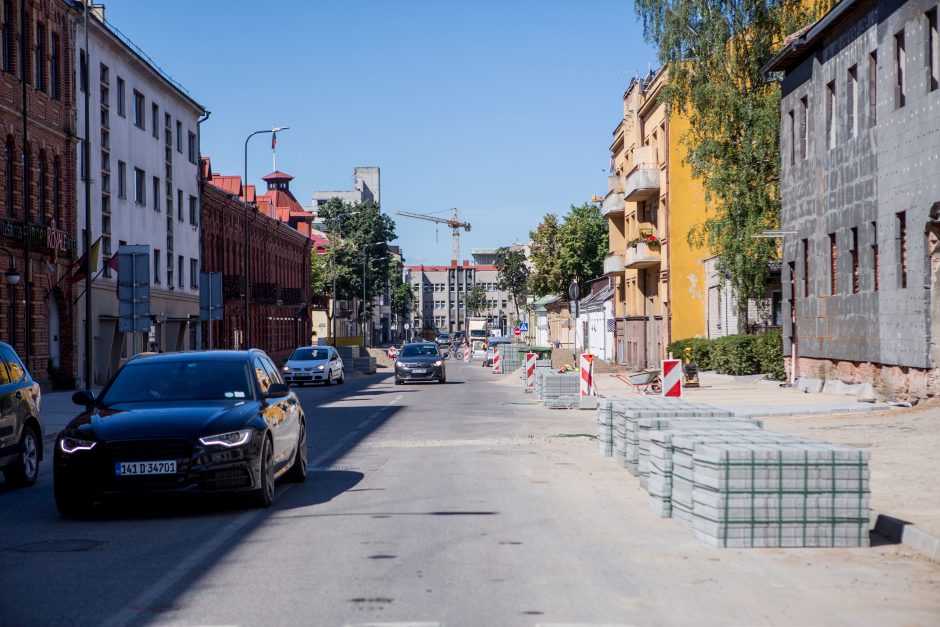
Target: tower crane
454 223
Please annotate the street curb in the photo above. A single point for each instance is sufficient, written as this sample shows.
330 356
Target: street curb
906 533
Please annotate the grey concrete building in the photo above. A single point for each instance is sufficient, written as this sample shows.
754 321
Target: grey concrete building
366 186
860 183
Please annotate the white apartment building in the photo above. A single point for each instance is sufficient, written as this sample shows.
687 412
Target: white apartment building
144 147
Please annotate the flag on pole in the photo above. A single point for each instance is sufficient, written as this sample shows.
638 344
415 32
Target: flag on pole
113 262
273 139
82 267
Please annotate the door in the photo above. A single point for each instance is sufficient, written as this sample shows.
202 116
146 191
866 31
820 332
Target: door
52 318
290 424
272 410
7 410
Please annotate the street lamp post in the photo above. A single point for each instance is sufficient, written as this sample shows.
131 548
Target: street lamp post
12 276
247 330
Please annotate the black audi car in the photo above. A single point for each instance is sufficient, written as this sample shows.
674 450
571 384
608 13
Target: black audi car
205 422
420 362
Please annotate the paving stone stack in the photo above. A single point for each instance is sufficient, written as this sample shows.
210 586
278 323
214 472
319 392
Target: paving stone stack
512 356
559 389
348 353
605 427
365 364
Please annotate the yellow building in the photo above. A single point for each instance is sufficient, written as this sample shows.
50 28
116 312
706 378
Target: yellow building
651 203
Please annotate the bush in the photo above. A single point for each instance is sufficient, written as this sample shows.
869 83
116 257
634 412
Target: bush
768 350
734 355
701 351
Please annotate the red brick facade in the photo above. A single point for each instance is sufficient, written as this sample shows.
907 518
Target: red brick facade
36 120
279 264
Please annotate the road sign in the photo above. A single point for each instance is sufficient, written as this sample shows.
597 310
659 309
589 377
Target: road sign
672 379
524 327
517 331
133 289
210 295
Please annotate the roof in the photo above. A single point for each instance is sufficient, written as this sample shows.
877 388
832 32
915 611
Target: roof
425 268
798 45
230 184
277 175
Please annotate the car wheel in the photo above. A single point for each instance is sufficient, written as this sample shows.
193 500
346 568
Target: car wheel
329 378
25 470
70 500
298 469
443 379
264 495
342 376
398 381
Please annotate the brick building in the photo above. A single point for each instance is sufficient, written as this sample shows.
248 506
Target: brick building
279 270
37 193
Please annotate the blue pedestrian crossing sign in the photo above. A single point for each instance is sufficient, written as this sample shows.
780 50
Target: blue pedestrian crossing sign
524 327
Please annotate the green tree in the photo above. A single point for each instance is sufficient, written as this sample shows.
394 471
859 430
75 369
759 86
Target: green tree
513 274
572 250
476 300
402 294
320 277
714 52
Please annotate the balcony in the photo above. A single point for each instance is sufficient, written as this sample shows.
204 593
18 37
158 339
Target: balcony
643 180
640 256
613 264
613 205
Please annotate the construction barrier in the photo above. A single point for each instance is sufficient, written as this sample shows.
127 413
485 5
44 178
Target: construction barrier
587 375
530 362
497 361
672 378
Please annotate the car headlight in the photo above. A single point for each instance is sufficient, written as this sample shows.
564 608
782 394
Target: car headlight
74 445
321 367
228 440
439 362
285 369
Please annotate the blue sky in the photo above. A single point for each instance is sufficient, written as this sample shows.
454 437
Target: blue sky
501 109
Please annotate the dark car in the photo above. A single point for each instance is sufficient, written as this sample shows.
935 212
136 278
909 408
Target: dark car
443 339
20 423
420 362
203 422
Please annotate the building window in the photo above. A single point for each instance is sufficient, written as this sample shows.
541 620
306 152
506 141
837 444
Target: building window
156 194
40 53
120 97
792 119
874 255
933 51
804 113
179 205
82 166
9 175
139 120
155 120
192 148
193 210
872 89
193 273
82 71
169 269
156 265
830 114
854 253
140 187
57 192
900 71
179 137
8 53
43 196
122 179
55 61
179 266
833 265
851 101
902 249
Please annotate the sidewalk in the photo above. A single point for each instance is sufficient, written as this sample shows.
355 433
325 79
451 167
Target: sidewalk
904 442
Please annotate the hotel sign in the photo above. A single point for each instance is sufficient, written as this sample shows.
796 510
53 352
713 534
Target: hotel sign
48 236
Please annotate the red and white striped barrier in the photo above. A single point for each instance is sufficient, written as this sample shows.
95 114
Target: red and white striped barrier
530 359
672 378
497 361
467 351
587 375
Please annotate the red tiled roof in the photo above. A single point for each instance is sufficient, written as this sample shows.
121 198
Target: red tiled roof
250 195
277 174
229 184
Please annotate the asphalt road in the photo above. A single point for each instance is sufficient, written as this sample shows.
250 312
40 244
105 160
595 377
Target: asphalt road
457 504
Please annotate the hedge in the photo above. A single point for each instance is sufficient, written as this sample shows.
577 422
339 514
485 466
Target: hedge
736 354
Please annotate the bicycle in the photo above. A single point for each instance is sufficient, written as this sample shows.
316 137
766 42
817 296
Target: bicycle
455 352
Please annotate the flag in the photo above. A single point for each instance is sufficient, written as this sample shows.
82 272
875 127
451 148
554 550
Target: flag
82 266
273 139
113 262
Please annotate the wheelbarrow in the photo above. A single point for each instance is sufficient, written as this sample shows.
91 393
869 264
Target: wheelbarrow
646 382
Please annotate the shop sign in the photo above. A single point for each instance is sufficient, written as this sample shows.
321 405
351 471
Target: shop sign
48 236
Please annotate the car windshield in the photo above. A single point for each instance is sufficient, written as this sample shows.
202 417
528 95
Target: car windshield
419 350
310 354
180 380
443 336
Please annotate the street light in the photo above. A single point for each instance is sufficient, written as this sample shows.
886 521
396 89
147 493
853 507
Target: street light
12 276
365 256
273 129
334 238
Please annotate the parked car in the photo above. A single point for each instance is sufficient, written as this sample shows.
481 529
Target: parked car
314 364
478 351
443 339
420 362
491 344
20 421
203 422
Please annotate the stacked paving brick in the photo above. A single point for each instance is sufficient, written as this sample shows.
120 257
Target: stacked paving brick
365 364
512 356
558 389
348 353
734 484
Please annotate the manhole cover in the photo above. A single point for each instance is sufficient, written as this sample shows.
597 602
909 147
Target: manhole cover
58 546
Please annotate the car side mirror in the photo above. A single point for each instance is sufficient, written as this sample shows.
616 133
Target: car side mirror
277 390
85 398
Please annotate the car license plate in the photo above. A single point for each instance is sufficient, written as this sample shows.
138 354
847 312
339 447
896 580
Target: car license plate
124 469
420 371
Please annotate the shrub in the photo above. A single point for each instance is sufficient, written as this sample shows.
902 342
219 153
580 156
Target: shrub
734 355
701 351
768 350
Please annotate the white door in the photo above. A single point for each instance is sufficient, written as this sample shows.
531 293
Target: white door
53 330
